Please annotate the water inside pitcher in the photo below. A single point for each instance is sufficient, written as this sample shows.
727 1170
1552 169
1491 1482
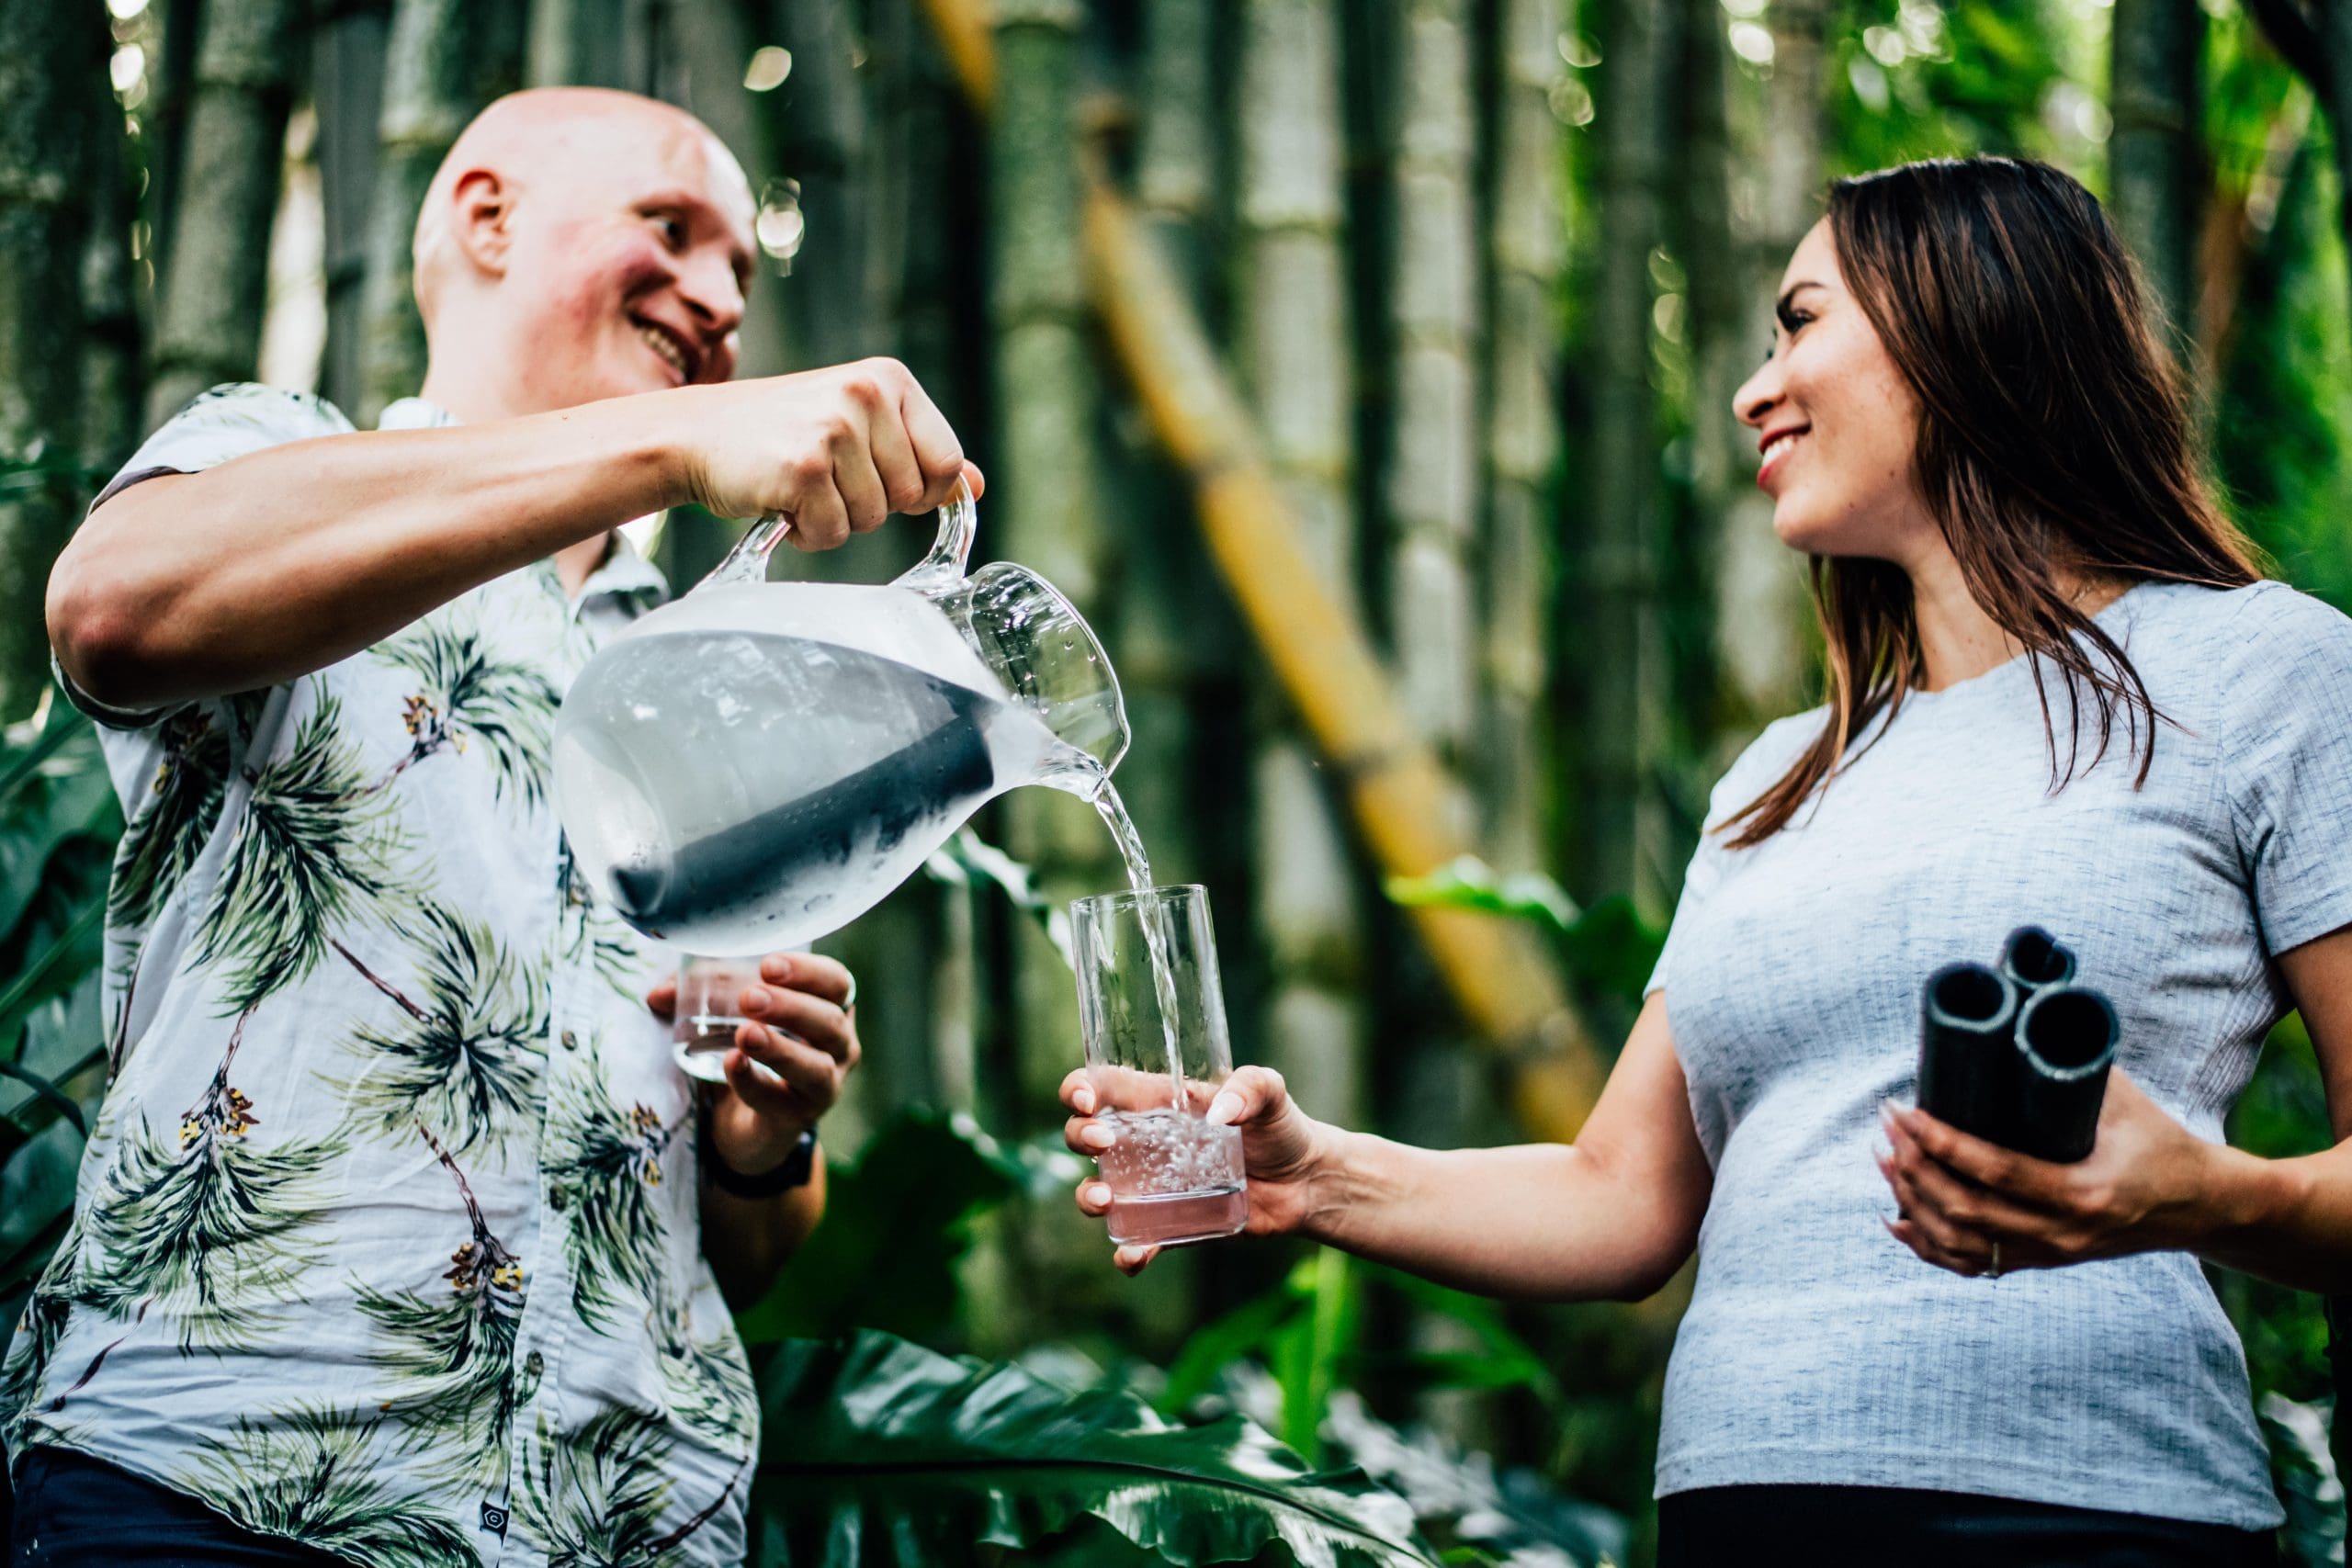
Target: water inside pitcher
758 763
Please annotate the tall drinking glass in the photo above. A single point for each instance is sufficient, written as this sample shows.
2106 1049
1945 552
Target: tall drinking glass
1152 1010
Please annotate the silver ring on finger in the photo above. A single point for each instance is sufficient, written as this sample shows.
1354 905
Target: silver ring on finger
1993 1270
849 1002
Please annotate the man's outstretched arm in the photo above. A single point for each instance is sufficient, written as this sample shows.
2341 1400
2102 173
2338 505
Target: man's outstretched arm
286 560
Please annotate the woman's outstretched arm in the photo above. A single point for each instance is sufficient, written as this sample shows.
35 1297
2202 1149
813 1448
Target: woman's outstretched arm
1611 1217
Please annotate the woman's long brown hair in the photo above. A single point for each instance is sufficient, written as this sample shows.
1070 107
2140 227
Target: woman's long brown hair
2054 437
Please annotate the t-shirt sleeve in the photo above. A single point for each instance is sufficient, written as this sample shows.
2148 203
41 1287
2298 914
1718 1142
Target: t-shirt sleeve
228 422
1758 769
2287 762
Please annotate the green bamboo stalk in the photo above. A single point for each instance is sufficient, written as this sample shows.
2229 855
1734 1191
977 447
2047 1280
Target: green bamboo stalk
2155 154
114 369
49 54
1775 142
1621 843
347 88
1294 351
1433 439
1525 241
443 61
1046 503
207 323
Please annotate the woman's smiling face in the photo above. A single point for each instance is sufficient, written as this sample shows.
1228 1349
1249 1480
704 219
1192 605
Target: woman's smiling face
1836 421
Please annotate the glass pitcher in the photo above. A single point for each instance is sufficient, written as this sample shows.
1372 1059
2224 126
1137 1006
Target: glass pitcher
758 763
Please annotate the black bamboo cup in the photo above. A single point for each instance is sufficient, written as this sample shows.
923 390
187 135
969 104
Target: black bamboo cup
2032 958
2066 1042
1969 1066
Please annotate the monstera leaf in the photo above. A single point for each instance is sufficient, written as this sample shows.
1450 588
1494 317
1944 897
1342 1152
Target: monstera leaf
881 1454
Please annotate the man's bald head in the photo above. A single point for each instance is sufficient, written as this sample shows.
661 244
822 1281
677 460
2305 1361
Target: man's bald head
603 234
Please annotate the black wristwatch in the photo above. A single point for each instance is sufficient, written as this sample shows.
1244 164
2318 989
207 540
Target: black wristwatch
798 1167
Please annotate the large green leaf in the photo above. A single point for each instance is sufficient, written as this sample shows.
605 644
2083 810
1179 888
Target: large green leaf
881 1454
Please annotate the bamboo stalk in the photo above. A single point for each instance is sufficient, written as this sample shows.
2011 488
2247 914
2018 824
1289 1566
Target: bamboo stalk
208 327
347 77
1525 246
2156 156
1433 440
1318 652
445 60
47 59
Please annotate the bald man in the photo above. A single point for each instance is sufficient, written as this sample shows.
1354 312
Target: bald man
399 1237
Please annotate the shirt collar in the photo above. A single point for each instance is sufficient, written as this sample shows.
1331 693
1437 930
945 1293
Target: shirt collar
625 574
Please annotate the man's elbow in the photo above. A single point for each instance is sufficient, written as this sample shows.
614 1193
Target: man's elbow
102 633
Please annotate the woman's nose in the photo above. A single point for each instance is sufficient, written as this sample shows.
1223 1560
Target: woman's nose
1756 395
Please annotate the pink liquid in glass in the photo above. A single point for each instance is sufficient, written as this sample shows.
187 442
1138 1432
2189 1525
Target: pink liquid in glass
1173 1178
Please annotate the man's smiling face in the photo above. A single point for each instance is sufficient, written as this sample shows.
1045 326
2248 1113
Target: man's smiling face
628 255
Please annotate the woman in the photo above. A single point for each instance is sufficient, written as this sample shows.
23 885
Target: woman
2058 692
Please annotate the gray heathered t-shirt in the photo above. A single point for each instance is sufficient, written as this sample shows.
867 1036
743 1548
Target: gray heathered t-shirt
1819 1349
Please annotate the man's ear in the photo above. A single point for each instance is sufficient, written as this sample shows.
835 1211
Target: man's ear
482 212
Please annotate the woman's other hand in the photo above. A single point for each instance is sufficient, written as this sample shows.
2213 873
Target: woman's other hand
1284 1151
2148 1185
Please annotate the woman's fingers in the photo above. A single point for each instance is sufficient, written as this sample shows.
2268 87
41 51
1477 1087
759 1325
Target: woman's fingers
2031 1182
663 999
1251 1094
1132 1260
1094 1199
1925 1187
1078 1091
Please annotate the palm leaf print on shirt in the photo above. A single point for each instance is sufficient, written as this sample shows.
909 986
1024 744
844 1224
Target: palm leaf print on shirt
595 1497
312 851
312 1474
608 1174
183 803
465 1059
465 694
452 1352
207 1224
705 1380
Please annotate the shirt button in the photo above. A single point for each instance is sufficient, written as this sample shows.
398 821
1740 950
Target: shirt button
571 1041
535 1363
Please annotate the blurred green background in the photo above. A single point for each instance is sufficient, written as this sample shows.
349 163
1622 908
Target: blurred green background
1459 289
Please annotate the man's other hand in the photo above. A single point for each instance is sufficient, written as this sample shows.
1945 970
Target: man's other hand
789 1062
835 451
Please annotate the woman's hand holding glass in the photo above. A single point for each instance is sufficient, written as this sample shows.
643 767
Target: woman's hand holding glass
2148 1185
1286 1153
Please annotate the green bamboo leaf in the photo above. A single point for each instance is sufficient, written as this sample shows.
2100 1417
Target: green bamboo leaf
62 1042
881 1454
1216 1346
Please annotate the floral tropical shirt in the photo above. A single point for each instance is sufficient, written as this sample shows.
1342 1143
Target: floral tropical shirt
386 1238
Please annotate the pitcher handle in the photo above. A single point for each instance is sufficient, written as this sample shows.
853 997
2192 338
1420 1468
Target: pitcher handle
958 520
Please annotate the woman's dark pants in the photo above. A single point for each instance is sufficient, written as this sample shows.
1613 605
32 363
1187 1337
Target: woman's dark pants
1717 1527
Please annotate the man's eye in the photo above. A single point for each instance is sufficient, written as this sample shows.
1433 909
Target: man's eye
673 232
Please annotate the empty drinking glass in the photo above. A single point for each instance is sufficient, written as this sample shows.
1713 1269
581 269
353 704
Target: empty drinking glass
1152 1011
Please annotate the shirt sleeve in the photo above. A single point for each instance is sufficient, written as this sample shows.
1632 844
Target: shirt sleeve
228 422
2287 762
1758 769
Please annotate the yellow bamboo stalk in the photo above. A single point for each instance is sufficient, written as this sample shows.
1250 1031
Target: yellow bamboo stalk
1401 800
